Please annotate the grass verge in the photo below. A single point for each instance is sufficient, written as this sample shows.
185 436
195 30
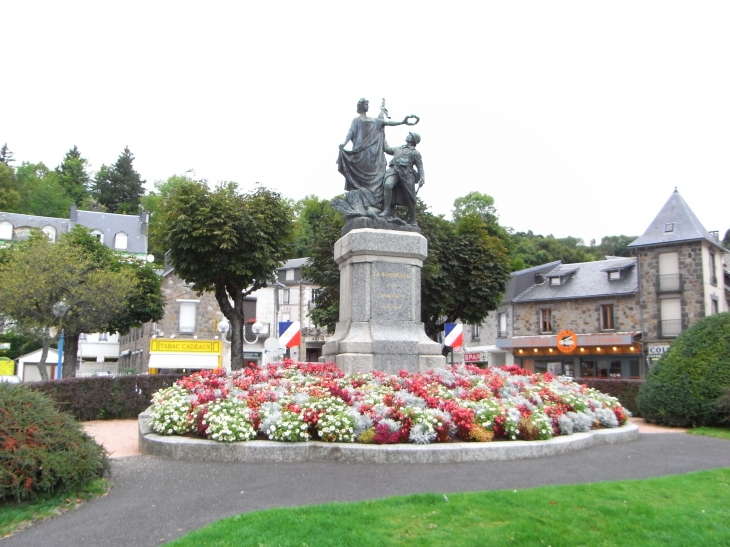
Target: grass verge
719 432
677 510
17 516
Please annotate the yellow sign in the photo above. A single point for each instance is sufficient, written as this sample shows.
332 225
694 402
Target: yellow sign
7 366
184 346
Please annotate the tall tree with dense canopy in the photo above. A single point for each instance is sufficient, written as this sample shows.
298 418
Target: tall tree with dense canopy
318 226
46 287
40 192
227 242
119 188
72 176
9 191
462 279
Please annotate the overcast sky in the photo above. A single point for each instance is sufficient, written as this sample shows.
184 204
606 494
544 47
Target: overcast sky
579 118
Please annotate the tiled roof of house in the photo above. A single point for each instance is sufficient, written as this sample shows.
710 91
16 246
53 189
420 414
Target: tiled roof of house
675 223
584 280
62 225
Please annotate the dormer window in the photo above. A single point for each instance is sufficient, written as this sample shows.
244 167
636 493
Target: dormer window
614 275
554 281
669 227
99 235
6 230
120 241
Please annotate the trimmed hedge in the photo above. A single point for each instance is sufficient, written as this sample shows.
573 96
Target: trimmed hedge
42 450
99 398
625 391
686 385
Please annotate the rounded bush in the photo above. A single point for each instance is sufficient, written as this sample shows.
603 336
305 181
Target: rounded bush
42 450
685 385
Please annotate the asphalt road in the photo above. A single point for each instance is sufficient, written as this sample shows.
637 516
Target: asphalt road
154 501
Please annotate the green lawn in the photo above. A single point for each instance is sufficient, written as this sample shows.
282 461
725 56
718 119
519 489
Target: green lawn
15 516
684 510
719 432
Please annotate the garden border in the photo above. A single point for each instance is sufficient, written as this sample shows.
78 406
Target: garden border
191 449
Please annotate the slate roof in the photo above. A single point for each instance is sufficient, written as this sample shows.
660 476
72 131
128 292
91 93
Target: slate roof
522 280
111 224
588 279
62 225
107 223
686 226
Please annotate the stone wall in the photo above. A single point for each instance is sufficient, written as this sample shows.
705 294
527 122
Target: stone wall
691 290
581 315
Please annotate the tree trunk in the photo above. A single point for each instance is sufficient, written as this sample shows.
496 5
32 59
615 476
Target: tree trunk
42 363
224 294
70 354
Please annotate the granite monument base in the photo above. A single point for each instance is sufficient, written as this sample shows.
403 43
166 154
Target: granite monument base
380 304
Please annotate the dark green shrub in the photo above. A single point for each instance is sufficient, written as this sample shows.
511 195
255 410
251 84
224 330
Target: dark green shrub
99 398
684 387
625 391
42 450
723 407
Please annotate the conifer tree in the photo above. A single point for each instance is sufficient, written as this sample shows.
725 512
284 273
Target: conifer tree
72 176
6 156
119 188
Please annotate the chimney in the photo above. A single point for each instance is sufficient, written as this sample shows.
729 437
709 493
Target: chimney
73 213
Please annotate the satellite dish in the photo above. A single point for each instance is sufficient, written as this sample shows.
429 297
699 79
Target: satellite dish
150 258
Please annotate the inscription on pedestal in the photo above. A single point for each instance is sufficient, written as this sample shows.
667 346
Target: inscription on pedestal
391 288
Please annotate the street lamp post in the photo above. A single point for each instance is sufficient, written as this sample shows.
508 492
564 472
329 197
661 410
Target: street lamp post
59 310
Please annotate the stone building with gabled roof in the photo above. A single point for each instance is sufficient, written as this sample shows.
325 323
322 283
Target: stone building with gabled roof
610 318
681 275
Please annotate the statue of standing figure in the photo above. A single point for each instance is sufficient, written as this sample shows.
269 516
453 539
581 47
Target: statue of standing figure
370 189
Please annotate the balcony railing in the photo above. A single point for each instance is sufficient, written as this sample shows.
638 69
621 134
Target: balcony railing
669 282
671 327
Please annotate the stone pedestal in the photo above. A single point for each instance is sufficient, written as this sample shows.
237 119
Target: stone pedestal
380 304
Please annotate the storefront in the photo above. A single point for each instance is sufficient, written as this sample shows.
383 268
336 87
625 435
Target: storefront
181 356
616 355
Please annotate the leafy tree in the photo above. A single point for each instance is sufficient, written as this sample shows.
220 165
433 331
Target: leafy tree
318 226
465 273
482 205
6 156
152 202
530 249
143 304
616 245
37 275
40 192
224 241
463 277
120 187
72 176
9 191
726 240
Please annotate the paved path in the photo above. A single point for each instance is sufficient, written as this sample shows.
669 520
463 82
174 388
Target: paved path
154 501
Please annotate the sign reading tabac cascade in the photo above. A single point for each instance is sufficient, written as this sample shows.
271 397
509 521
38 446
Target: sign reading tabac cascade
185 346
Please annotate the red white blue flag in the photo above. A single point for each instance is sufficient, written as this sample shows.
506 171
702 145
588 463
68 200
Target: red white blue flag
290 334
453 336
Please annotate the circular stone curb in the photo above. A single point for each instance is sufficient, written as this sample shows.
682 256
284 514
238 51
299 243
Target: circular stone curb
190 449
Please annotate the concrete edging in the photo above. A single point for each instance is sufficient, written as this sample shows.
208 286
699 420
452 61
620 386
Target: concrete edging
189 449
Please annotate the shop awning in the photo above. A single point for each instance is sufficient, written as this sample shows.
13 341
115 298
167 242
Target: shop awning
548 340
184 360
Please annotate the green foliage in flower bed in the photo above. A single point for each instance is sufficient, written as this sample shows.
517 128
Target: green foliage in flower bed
624 390
686 384
42 450
98 398
678 510
296 402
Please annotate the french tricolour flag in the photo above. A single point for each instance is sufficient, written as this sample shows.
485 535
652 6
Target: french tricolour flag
453 336
290 334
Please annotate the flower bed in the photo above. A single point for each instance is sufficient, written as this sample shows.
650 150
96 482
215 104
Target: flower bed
296 402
